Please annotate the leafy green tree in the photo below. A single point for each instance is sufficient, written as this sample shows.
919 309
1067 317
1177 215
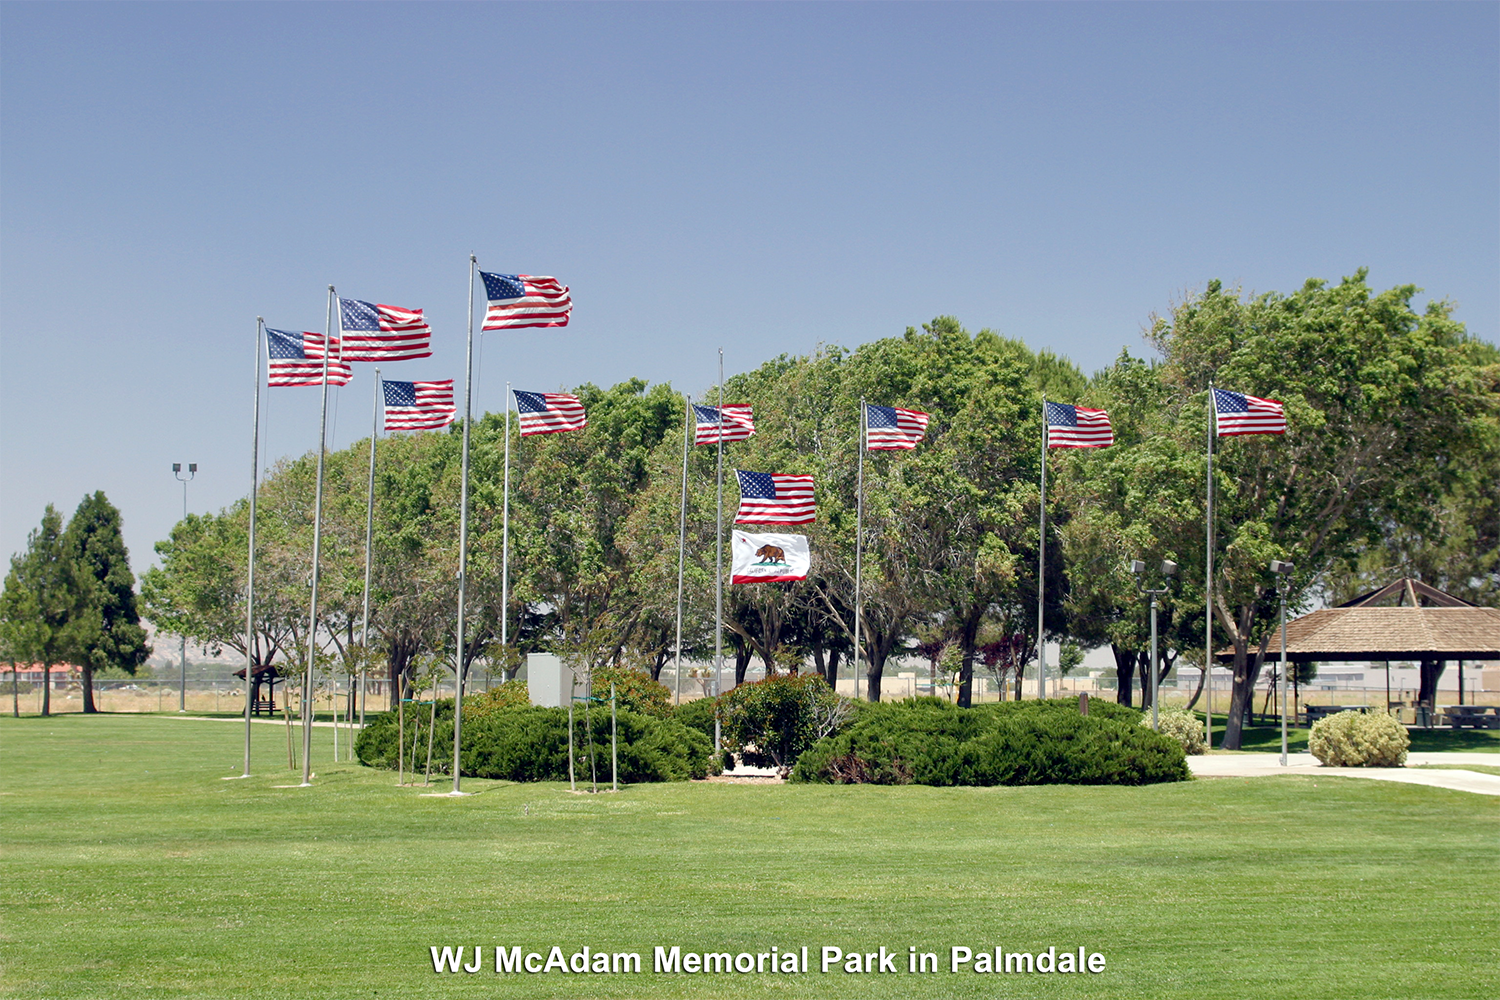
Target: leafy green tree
1385 407
45 607
116 639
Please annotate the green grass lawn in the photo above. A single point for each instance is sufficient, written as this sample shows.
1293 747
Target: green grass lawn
131 870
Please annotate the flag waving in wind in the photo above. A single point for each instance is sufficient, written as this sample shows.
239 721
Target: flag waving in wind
382 333
1241 414
769 498
735 422
297 359
549 412
769 558
418 406
1077 427
520 300
890 428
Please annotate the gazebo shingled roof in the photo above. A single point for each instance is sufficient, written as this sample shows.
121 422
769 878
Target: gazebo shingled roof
1356 631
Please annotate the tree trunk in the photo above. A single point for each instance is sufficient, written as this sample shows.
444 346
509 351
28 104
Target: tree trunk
831 674
742 655
46 689
1125 660
1428 674
88 690
1198 692
1242 697
874 670
15 691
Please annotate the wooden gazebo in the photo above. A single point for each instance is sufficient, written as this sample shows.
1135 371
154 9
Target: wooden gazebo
269 676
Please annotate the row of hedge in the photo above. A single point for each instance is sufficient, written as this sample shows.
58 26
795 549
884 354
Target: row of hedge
927 741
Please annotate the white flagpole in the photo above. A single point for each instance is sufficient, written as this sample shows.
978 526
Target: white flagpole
719 562
687 432
1041 570
859 539
260 325
364 633
312 623
463 539
1208 578
505 538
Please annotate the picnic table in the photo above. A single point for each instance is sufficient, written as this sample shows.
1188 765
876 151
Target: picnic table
1316 712
1472 716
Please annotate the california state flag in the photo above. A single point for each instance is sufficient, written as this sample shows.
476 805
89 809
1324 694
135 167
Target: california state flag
769 558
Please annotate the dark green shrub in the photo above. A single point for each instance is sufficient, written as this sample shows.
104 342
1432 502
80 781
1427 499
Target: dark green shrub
771 722
930 742
531 744
697 714
634 690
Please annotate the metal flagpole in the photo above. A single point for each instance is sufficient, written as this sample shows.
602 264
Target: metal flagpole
364 635
505 538
859 538
719 561
463 538
1041 569
260 325
312 623
687 432
1208 579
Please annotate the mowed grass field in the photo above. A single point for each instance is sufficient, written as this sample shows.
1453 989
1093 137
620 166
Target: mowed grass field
130 869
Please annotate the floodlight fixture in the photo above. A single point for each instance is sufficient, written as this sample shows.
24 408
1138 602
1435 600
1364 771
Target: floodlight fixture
1168 568
1281 568
1137 566
176 466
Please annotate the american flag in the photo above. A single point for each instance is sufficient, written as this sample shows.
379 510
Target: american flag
382 333
1241 414
549 412
737 425
769 498
418 406
890 428
518 300
297 359
1077 427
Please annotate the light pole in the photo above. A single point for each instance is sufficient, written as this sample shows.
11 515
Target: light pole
177 474
1282 569
1168 569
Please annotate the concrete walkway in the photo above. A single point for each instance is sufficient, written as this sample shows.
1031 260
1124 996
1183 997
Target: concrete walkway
1259 765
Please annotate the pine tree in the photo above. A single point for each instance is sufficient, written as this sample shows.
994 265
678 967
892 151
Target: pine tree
114 636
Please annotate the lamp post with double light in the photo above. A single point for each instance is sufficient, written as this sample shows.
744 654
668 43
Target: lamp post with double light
192 470
1282 571
1168 570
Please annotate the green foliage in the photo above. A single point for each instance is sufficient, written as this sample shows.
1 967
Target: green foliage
1357 739
771 722
116 638
698 714
927 741
511 694
48 611
634 690
531 744
1181 725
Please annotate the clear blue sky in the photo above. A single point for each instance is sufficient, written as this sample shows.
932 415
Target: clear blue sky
763 177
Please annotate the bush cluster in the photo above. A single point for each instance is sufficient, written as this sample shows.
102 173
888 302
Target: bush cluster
1354 739
927 741
531 744
771 722
1181 725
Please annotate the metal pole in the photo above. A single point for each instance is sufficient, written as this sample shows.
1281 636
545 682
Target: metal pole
182 691
719 563
614 742
1281 680
1208 580
859 537
463 539
687 433
312 623
1041 569
1155 720
364 637
250 568
505 539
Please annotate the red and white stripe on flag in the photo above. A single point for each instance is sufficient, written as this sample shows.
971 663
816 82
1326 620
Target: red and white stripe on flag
297 359
771 498
735 421
549 412
1077 427
523 300
890 428
373 332
1238 413
418 406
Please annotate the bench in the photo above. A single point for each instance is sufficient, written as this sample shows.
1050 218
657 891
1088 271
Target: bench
1472 716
